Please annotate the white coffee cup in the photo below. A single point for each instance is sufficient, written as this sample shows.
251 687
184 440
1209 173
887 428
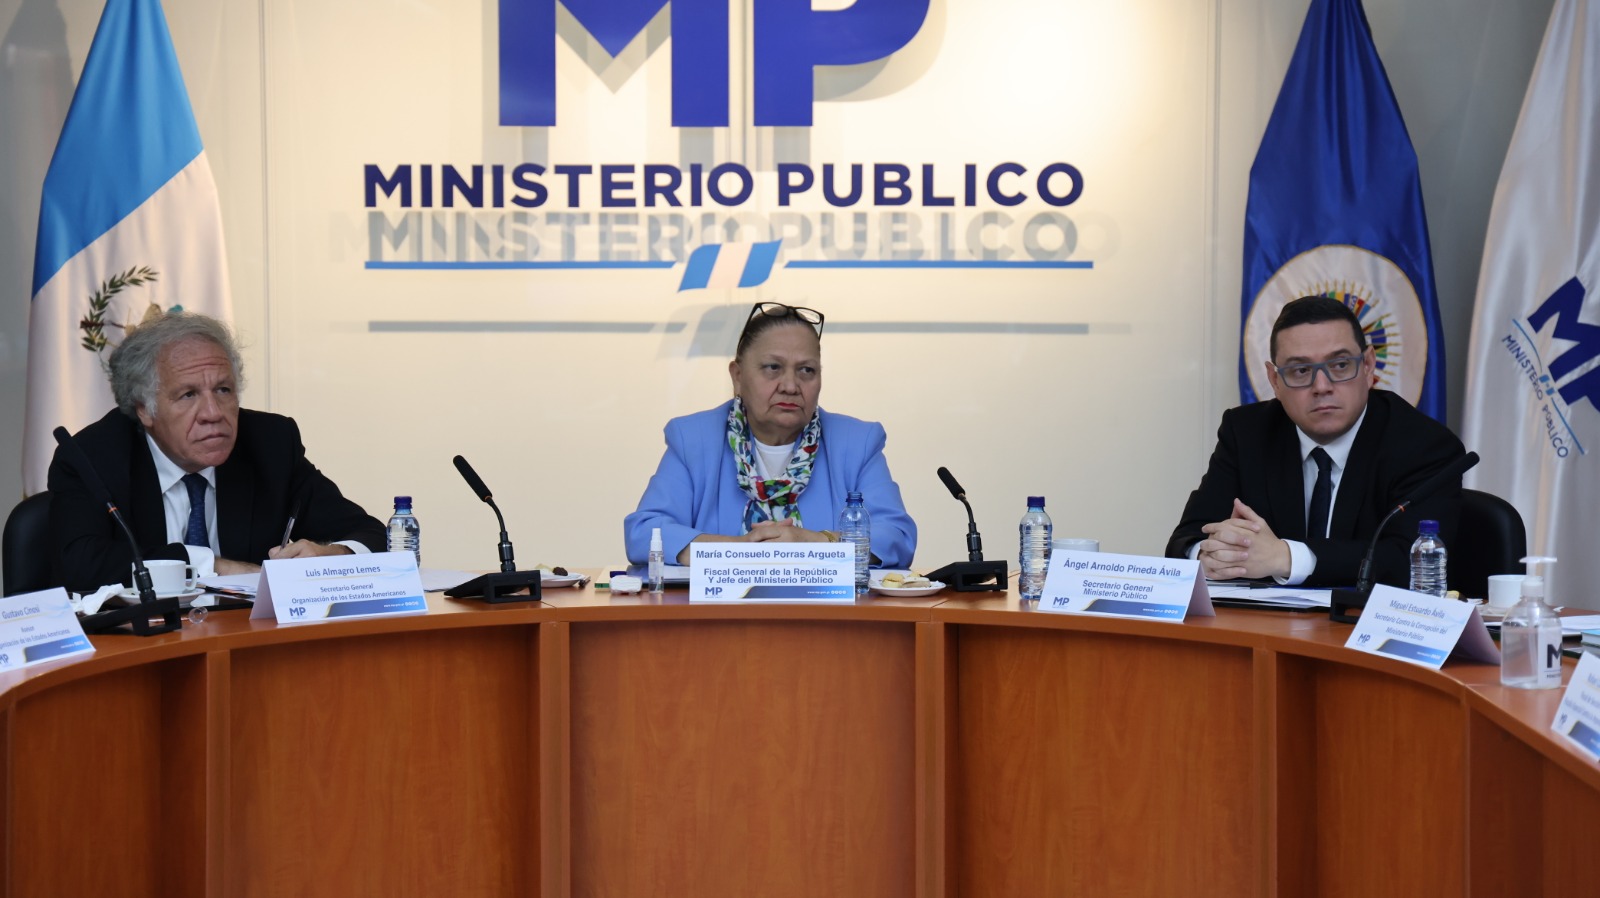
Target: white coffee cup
1072 544
170 577
1505 590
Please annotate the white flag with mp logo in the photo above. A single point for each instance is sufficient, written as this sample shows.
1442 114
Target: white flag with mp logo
1533 377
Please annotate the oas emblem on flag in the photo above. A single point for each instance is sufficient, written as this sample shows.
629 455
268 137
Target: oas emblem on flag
1383 298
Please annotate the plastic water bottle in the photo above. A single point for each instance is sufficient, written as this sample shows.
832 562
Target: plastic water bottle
405 534
855 526
1034 558
1428 560
1530 638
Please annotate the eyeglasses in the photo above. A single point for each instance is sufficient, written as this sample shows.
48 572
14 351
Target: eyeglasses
1338 370
779 310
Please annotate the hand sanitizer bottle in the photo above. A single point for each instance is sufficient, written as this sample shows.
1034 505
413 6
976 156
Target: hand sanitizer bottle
658 562
1530 636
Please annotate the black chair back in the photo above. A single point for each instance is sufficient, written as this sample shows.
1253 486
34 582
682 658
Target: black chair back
1489 541
25 546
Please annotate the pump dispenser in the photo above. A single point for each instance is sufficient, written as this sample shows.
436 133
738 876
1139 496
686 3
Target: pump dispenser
1530 636
657 569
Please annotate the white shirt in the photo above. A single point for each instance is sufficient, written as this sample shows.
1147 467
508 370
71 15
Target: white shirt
771 458
175 503
1302 561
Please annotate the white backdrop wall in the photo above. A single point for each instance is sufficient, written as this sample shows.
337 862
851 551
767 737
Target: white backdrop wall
1099 388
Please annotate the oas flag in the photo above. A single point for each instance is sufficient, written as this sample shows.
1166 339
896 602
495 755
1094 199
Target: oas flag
1335 209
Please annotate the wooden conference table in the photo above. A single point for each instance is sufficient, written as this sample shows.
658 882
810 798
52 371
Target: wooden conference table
598 745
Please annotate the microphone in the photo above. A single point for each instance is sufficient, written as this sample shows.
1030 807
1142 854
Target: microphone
1344 599
499 587
474 481
1451 471
974 541
140 619
974 574
951 485
507 564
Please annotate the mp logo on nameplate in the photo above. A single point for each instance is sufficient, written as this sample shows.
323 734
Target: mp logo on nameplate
339 587
1421 629
39 626
1136 586
1578 716
772 572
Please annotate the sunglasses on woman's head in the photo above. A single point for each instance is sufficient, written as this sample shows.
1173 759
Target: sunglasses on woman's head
779 310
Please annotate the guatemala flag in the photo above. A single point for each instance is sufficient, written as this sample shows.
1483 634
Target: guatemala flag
129 225
1335 209
726 265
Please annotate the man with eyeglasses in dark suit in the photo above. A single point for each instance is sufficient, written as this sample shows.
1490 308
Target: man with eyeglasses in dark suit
1297 484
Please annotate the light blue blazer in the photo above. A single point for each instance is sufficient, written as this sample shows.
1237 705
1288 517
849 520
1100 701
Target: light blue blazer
695 489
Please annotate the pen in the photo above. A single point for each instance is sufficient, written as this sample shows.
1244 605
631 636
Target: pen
286 531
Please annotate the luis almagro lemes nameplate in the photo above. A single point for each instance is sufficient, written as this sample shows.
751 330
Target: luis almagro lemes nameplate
340 587
1420 628
39 626
1125 586
772 572
1578 717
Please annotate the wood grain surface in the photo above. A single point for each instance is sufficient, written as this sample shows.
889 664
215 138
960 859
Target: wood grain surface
960 745
385 765
1085 765
732 758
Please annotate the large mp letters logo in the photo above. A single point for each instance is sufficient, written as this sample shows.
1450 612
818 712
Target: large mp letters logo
790 40
1557 401
1564 305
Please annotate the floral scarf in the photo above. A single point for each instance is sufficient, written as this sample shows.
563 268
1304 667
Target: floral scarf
777 499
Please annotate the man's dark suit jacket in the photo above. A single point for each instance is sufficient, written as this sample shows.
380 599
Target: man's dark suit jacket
1258 460
265 480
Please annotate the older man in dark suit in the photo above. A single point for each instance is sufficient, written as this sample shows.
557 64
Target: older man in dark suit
1298 484
197 477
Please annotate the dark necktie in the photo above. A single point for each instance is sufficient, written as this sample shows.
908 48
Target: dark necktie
195 535
1321 496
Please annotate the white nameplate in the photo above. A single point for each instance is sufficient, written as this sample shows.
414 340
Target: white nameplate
339 587
1136 586
1578 717
772 572
39 626
1421 629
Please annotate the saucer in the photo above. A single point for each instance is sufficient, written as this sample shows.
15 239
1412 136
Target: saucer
911 593
131 595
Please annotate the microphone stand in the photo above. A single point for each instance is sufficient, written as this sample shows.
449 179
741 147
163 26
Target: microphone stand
1345 605
1344 601
149 616
505 585
974 574
140 616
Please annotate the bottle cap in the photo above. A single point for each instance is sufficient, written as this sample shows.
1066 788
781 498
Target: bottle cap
1427 526
852 496
655 539
1035 501
402 500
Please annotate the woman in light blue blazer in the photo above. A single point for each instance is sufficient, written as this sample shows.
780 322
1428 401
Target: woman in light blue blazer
768 464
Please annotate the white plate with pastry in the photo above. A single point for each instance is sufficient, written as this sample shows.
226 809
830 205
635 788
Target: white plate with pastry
903 584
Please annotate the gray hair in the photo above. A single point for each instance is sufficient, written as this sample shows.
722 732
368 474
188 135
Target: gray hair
135 380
